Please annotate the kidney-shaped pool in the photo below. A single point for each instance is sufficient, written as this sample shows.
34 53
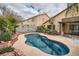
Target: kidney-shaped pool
46 45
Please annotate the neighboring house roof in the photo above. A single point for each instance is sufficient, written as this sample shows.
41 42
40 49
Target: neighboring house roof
35 16
58 13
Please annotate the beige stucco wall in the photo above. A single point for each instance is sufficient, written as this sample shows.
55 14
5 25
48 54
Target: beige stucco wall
58 18
37 20
32 23
66 28
45 25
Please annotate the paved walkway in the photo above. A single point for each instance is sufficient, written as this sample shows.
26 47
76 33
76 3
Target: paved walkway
32 51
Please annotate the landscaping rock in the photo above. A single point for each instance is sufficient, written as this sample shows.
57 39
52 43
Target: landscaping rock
3 45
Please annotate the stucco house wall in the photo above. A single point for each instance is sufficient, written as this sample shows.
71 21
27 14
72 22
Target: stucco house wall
59 17
30 25
55 20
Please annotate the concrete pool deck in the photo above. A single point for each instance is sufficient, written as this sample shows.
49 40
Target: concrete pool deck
32 51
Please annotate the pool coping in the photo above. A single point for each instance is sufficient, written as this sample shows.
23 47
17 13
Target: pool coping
32 51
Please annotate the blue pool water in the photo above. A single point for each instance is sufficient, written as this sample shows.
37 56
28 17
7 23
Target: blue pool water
46 45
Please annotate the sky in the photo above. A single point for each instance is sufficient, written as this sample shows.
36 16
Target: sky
27 10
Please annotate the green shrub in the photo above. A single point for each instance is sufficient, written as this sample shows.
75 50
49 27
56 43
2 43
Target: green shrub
54 32
40 29
7 27
4 50
47 30
5 36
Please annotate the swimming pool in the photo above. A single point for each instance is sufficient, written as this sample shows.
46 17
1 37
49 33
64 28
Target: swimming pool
46 45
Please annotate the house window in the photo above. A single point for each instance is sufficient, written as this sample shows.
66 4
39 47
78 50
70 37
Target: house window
53 27
78 28
27 25
74 28
71 28
49 26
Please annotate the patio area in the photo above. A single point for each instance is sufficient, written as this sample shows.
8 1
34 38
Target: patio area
32 51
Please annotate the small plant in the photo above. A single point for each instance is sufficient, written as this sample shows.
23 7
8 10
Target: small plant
5 36
4 50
